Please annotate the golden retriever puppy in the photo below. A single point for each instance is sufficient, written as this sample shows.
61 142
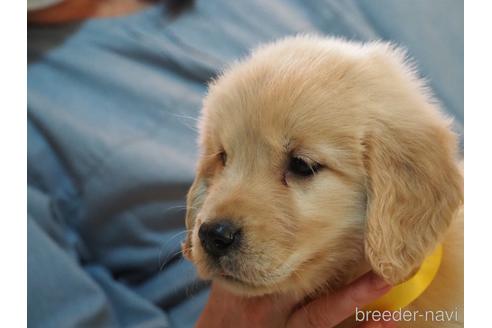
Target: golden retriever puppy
322 159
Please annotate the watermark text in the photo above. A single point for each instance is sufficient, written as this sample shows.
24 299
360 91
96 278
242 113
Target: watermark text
402 315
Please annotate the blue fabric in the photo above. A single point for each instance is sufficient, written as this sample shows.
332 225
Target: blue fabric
112 107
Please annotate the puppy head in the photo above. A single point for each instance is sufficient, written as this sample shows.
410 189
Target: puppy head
316 154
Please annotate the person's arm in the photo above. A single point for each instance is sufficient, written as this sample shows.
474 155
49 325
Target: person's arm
225 309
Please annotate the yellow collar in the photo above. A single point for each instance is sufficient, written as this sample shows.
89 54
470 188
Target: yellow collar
405 293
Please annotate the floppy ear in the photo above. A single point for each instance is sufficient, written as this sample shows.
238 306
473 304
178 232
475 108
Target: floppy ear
414 188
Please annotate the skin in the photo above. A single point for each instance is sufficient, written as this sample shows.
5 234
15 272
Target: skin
225 309
78 10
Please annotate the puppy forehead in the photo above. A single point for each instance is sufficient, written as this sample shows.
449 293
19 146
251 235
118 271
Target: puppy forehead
276 105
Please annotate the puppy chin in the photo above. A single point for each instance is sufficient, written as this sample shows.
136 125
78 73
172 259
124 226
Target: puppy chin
240 287
208 271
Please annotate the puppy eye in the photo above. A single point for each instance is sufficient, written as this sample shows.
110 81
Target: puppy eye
223 157
300 167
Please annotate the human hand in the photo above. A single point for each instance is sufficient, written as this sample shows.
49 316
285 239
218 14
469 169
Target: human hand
225 309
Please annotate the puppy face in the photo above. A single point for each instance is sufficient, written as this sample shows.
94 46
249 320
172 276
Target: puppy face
315 158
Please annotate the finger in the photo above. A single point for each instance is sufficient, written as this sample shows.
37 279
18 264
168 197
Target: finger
331 309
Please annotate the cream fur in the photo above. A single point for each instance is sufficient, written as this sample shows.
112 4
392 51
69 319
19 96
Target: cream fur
388 191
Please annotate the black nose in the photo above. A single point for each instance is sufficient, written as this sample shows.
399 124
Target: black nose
219 237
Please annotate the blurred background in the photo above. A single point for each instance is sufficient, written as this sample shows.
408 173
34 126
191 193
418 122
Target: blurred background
114 92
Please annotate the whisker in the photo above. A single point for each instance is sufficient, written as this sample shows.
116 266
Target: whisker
170 257
166 243
186 124
196 119
175 207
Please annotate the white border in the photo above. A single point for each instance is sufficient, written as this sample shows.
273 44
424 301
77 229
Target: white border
478 163
13 181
